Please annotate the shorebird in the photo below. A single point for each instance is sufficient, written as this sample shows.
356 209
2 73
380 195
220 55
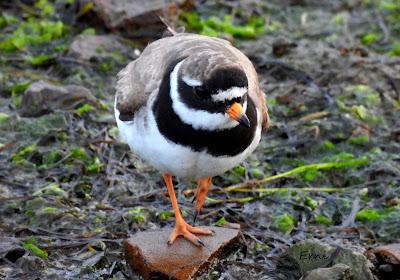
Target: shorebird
190 106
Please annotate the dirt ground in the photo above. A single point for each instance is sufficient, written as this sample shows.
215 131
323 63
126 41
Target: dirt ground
70 190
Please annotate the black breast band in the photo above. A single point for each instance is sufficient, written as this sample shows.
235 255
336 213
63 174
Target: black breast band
227 142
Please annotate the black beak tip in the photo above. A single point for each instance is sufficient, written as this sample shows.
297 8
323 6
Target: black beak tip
244 120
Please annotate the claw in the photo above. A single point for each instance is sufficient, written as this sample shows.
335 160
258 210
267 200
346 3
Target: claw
201 242
188 232
196 213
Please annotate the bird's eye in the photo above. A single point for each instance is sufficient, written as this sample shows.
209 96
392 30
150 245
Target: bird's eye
200 92
235 100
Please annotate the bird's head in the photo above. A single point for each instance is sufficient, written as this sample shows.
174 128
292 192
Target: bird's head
210 96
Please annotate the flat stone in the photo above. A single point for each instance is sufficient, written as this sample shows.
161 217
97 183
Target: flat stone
43 98
148 254
89 47
133 16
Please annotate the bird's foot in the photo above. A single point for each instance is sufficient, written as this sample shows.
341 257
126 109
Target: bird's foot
188 231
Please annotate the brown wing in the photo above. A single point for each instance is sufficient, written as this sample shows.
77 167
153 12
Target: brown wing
137 81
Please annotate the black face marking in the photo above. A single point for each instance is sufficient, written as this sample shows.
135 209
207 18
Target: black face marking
201 92
228 142
225 78
200 97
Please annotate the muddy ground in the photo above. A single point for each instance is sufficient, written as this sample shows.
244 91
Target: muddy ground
70 191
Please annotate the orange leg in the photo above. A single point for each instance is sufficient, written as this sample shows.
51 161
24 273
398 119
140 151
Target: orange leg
181 227
201 191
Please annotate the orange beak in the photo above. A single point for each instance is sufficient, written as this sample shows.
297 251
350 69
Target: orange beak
236 112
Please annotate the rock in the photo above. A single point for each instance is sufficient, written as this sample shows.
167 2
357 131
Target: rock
10 248
134 17
98 47
31 264
148 254
337 272
390 253
4 192
282 46
42 98
14 254
311 254
387 260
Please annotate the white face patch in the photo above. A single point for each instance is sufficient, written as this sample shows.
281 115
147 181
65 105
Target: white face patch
198 119
229 94
191 82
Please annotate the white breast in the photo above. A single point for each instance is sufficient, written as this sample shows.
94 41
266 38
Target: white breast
145 140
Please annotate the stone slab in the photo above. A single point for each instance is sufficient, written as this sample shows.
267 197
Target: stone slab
148 254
